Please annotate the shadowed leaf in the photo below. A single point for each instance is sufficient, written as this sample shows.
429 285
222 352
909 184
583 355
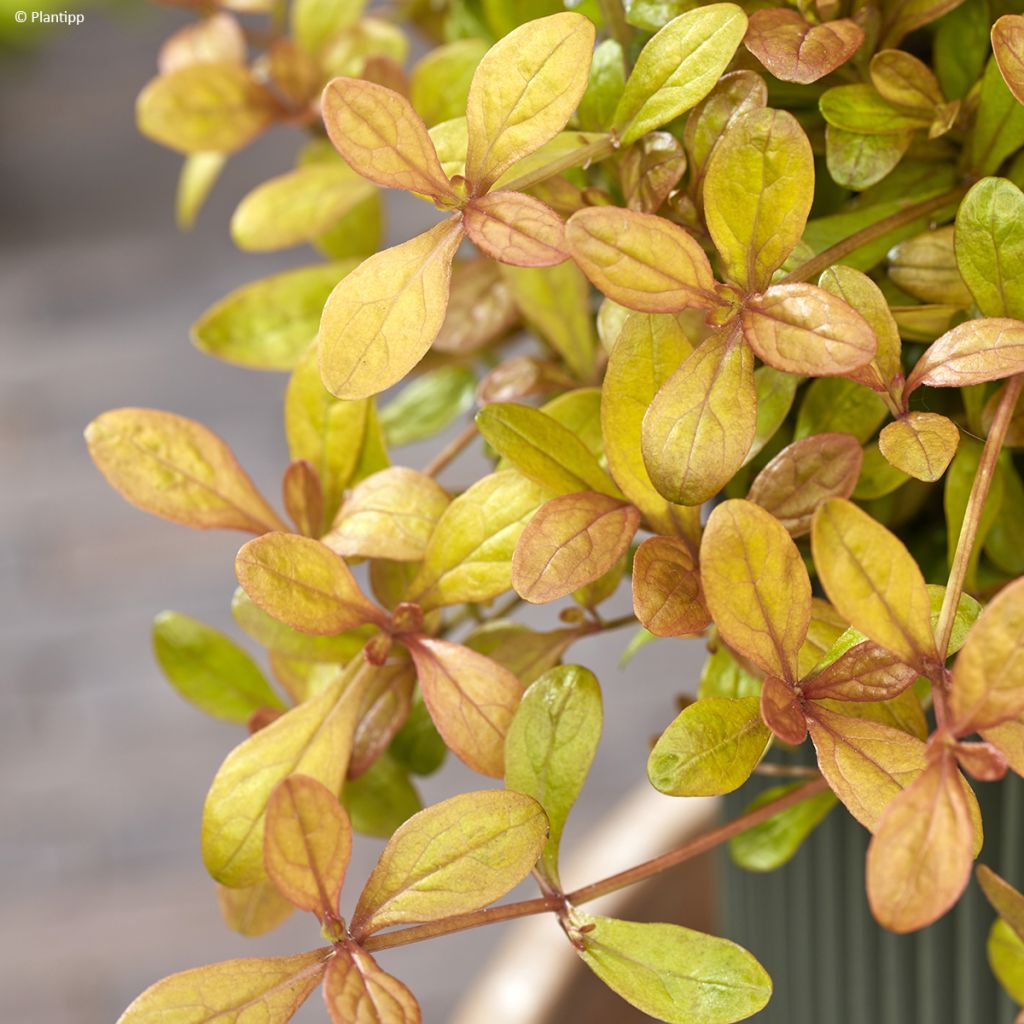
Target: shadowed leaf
650 170
925 267
439 84
781 711
858 161
667 595
774 842
796 50
255 910
514 228
998 127
357 991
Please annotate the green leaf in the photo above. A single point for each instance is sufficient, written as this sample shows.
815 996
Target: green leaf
199 173
382 798
959 482
313 739
551 745
439 84
678 67
314 22
775 392
836 405
998 128
710 748
774 842
961 47
860 108
357 991
857 161
453 858
723 676
904 17
228 992
605 87
175 468
1006 958
925 267
757 194
418 745
675 974
269 324
209 670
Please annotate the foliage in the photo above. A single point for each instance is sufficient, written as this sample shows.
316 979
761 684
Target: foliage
770 260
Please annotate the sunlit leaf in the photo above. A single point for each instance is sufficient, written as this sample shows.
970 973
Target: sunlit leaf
710 748
313 739
700 426
796 50
255 910
175 468
920 857
873 581
470 698
357 991
756 586
453 858
642 261
509 115
921 444
906 81
757 194
231 991
972 353
571 541
514 228
667 595
550 746
209 670
678 67
307 843
380 320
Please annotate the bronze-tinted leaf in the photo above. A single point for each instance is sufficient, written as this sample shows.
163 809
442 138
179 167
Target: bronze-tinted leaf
514 228
796 50
480 309
357 991
925 266
667 595
863 672
1008 49
1005 899
921 444
254 910
650 169
903 79
972 353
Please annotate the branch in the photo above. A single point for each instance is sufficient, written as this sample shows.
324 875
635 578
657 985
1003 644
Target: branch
451 451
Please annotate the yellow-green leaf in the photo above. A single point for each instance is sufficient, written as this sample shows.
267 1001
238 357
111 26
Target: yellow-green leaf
1006 958
642 261
232 991
860 108
678 67
218 37
710 748
550 746
701 424
379 134
255 910
439 83
515 228
303 583
757 194
667 595
209 670
925 266
175 468
307 844
199 173
756 586
357 991
873 581
314 22
453 858
380 320
921 444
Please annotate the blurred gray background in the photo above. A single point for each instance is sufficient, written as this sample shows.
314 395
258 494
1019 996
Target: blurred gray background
103 769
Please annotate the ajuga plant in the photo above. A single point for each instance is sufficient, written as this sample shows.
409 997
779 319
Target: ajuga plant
738 295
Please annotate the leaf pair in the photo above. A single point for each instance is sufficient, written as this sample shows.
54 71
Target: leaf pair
376 327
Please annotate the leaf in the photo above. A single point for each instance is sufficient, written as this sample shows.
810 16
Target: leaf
380 320
858 161
650 170
357 991
648 351
988 675
990 246
542 449
551 745
175 468
775 392
757 194
303 583
228 992
1008 50
297 207
678 67
873 581
642 261
921 444
904 16
386 705
675 974
523 93
390 514
313 739
864 672
700 426
452 858
866 763
379 134
998 128
1005 952
199 173
961 47
925 267
861 109
835 405
253 911
796 50
514 228
805 474
971 353
428 404
919 860
383 797
469 556
800 328
314 22
901 78
307 844
439 84
782 711
205 108
216 38
774 842
1007 902
209 670
571 541
605 87
470 698
756 587
710 748
667 595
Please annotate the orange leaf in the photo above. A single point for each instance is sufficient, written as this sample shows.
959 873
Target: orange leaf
795 50
971 353
514 228
1008 49
782 712
667 595
357 991
921 444
862 673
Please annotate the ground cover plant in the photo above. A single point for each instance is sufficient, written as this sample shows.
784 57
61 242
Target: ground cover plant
769 266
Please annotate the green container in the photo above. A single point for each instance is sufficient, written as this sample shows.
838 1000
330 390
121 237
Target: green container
809 924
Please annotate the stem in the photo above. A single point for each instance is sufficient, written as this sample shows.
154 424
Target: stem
972 514
834 253
451 451
586 154
618 28
546 904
